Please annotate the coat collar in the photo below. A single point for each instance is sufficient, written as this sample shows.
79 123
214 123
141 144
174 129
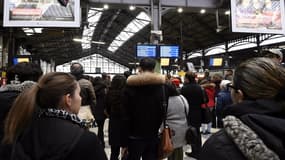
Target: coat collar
146 78
18 87
248 142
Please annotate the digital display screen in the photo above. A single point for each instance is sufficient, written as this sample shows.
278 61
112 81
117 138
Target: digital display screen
146 51
216 62
18 60
169 51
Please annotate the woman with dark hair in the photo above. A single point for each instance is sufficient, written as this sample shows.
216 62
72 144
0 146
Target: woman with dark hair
115 111
254 124
43 123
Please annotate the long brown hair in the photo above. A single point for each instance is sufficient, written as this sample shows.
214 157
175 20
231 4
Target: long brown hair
46 94
259 78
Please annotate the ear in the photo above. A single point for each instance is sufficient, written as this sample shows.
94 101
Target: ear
239 95
67 100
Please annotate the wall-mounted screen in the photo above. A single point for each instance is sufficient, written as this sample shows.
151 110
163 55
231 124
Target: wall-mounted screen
216 62
169 51
146 51
17 60
41 13
258 16
164 61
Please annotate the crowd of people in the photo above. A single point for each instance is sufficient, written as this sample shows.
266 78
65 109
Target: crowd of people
49 116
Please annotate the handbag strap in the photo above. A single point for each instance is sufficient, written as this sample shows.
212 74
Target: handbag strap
164 105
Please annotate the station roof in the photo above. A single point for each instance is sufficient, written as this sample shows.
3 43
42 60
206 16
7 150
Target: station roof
189 29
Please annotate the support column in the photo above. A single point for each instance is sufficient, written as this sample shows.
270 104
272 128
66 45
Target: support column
155 11
11 47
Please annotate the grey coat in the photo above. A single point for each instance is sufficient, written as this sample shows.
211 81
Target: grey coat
176 119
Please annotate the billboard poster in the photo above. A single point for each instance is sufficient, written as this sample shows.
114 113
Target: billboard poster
258 16
42 13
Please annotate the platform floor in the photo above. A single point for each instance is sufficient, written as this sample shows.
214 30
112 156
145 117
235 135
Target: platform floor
108 148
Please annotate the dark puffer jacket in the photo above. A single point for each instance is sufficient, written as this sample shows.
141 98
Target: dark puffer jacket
143 101
253 130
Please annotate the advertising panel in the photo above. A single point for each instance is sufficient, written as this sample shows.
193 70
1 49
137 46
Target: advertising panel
41 13
258 16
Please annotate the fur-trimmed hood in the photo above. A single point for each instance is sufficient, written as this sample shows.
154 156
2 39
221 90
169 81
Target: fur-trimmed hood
248 142
18 87
146 78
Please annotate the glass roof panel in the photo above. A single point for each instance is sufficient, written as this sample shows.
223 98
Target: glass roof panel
131 29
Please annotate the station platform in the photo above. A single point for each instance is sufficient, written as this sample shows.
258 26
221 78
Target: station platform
186 148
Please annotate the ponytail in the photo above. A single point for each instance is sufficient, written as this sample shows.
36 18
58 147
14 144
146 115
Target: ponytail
20 114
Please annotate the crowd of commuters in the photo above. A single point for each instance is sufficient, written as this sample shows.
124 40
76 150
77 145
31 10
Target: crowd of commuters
50 118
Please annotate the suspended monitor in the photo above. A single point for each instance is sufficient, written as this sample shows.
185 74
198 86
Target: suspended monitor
216 62
164 61
42 13
146 50
17 60
169 51
258 16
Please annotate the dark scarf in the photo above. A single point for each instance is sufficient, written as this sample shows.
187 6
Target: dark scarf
62 114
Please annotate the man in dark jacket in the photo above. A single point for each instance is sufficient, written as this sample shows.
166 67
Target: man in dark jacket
20 77
194 95
143 100
26 75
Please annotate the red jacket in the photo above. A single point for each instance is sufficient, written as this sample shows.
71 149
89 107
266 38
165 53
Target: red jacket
211 96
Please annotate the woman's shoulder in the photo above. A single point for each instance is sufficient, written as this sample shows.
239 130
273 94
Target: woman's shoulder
220 146
88 147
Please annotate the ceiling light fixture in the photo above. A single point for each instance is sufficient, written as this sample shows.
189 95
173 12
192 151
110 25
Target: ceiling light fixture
180 10
105 6
132 7
228 12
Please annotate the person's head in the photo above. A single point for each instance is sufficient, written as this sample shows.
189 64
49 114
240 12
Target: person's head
224 84
77 70
216 78
118 82
127 73
54 90
275 54
172 89
190 77
258 78
104 76
147 64
25 71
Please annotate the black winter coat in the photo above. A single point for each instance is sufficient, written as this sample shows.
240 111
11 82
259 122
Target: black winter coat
143 101
57 139
100 91
7 96
116 114
194 95
253 130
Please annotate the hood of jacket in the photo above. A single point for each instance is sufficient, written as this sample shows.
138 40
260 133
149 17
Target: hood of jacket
248 142
17 87
265 120
146 78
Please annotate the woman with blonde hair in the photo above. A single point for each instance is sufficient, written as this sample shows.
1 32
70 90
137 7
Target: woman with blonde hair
43 123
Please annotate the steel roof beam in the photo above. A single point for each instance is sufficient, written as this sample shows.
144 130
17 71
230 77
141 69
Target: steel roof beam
166 3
